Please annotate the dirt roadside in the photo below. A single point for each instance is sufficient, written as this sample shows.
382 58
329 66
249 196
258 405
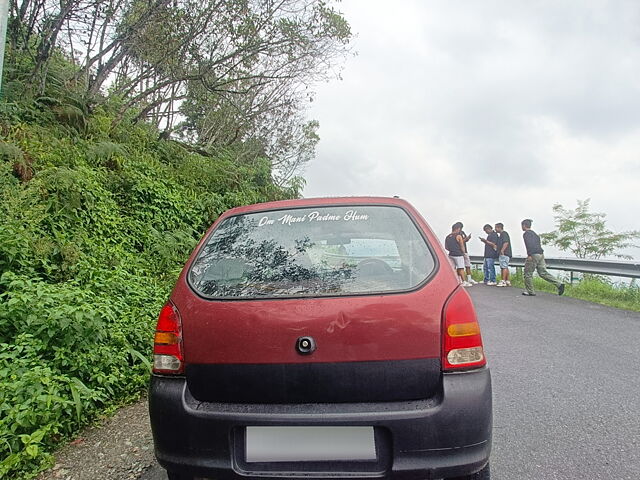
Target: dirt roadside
119 448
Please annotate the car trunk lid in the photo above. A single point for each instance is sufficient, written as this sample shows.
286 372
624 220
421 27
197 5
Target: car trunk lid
380 348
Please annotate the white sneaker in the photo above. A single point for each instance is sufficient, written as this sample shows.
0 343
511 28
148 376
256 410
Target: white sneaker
507 283
491 284
466 284
501 284
472 281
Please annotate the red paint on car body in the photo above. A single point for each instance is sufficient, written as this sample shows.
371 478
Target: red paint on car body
389 326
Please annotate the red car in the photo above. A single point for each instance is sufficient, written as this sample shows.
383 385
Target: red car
320 338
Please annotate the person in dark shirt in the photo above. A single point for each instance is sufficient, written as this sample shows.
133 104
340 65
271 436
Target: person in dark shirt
454 243
504 255
467 259
490 255
535 261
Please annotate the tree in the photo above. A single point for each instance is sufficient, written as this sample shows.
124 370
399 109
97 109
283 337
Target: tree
214 72
149 51
269 124
584 233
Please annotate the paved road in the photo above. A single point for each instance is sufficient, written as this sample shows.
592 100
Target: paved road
566 383
566 376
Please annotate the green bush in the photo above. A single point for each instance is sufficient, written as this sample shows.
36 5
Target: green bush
599 289
96 224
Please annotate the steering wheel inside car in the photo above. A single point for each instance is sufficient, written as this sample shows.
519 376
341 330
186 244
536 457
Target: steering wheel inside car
374 266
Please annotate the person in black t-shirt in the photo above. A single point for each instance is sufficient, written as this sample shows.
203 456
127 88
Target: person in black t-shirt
454 243
467 259
535 261
490 255
504 255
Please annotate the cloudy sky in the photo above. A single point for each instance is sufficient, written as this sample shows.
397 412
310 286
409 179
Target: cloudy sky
486 111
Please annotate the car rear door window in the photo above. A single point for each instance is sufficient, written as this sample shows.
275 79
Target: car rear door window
322 251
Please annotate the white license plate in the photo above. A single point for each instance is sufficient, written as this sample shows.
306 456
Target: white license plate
309 444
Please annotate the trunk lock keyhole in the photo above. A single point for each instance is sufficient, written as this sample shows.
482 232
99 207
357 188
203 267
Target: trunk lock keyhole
305 345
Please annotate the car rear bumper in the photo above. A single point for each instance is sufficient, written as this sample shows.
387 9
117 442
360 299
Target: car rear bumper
446 436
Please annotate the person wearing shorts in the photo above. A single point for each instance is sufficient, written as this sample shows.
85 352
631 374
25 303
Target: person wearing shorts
467 260
504 255
454 244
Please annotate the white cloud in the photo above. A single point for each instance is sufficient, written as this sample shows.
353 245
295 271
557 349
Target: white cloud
486 111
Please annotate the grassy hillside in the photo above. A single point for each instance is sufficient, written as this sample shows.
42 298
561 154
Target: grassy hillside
95 224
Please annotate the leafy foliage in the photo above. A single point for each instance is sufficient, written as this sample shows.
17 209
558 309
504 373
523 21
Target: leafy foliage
584 233
99 210
94 227
228 71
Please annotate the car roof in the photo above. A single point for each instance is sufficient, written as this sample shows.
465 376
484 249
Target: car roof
317 202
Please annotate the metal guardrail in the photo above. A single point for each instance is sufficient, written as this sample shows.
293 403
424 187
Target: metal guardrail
598 267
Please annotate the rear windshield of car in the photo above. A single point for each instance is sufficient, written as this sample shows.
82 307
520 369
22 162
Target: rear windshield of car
324 251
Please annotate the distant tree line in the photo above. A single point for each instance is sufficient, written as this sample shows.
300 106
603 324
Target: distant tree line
211 73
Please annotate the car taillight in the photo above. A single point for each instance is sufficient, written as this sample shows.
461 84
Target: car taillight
462 342
168 357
